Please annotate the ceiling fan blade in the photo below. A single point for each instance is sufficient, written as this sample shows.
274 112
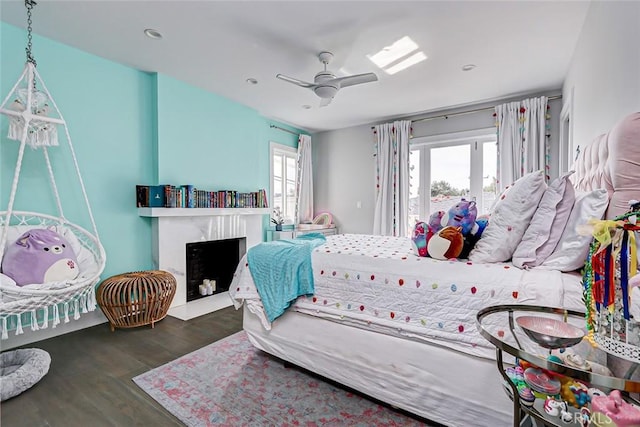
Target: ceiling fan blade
355 79
325 101
295 81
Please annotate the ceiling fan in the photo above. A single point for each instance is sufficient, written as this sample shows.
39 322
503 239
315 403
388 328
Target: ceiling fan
325 84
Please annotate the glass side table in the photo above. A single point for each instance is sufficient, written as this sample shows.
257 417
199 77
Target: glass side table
498 325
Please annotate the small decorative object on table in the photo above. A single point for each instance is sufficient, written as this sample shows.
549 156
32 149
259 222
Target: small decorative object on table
550 333
277 218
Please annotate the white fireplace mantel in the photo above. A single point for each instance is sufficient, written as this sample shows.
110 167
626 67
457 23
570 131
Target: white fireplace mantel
173 228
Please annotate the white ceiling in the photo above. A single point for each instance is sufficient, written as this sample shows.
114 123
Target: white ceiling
518 46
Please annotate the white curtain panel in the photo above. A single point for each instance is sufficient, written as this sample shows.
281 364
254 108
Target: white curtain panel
522 139
392 180
304 181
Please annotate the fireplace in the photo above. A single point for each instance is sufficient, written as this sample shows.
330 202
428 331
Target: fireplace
174 228
213 261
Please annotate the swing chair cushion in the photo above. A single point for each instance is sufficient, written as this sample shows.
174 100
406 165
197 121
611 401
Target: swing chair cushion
40 256
21 369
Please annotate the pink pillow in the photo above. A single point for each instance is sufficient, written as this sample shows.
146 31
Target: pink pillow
563 212
548 223
573 247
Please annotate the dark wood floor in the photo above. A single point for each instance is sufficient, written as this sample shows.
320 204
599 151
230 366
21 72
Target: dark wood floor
89 381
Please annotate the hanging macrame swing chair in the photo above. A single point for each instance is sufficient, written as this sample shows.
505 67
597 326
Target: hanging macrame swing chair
34 119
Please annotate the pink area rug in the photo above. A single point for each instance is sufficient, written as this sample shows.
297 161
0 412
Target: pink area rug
230 383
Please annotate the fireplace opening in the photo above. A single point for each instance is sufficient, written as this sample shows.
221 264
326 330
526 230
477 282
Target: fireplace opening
212 262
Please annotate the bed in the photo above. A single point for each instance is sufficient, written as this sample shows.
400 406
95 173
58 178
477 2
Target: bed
401 328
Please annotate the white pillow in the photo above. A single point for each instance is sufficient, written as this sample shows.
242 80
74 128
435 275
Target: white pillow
547 225
509 219
573 248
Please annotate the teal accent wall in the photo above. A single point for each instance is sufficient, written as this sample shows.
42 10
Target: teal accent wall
108 108
129 127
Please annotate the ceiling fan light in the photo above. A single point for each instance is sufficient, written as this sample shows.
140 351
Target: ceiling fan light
326 91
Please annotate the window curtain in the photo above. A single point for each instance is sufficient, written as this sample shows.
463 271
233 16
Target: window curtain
523 139
391 214
304 182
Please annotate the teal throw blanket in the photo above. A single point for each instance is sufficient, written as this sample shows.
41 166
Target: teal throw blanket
282 271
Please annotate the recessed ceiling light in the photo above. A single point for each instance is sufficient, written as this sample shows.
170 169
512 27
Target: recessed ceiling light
468 67
306 107
153 34
252 81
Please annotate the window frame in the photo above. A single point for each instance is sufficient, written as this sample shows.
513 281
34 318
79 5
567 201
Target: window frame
565 151
472 138
276 148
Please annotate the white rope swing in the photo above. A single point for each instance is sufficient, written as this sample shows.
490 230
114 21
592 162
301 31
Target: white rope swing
32 115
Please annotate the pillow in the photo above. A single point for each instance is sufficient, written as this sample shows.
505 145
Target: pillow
547 224
40 256
509 219
572 249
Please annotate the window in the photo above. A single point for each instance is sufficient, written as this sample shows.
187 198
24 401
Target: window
452 166
283 180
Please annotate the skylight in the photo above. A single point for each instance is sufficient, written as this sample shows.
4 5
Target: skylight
399 56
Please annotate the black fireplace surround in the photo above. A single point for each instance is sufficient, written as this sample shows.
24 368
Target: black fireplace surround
214 260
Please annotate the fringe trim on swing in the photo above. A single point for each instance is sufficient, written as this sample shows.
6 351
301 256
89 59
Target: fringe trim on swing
40 134
83 303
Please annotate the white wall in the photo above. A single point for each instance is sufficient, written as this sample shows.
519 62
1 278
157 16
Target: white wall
604 73
343 175
344 166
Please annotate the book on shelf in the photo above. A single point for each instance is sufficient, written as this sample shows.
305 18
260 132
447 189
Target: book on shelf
150 196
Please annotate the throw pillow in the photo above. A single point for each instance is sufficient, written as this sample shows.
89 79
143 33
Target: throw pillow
509 219
572 249
40 256
547 224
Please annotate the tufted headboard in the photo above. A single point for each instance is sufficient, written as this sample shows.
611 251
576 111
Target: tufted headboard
612 161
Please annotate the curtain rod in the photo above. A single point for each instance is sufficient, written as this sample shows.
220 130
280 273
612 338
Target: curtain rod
462 113
283 129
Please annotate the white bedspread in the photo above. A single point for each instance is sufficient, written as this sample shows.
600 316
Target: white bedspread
378 283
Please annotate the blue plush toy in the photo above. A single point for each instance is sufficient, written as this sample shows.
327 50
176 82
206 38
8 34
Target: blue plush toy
463 214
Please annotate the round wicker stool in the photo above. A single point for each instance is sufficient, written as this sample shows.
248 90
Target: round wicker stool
135 299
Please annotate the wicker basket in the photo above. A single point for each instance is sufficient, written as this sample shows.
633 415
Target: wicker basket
136 299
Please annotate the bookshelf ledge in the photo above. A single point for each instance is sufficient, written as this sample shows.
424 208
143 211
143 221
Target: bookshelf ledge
165 212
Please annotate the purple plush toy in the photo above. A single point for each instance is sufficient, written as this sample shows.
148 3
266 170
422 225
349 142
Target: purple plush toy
40 256
435 221
463 214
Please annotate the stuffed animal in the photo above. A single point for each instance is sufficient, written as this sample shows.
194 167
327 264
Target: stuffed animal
40 256
422 232
474 235
463 214
446 243
435 221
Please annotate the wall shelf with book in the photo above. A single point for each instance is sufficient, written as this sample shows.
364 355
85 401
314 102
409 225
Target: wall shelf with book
167 212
